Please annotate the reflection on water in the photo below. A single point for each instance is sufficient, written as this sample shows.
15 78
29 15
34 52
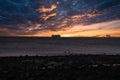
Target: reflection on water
61 46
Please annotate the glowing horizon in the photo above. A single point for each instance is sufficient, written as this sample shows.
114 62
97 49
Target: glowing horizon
68 18
94 30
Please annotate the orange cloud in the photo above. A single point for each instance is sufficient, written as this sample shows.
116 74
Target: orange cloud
46 17
76 17
33 27
47 9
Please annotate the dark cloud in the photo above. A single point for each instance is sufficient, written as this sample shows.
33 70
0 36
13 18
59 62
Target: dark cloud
28 16
107 4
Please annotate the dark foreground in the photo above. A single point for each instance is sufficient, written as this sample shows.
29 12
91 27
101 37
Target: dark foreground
82 67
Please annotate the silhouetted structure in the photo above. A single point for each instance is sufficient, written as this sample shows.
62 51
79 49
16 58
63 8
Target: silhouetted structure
56 36
107 36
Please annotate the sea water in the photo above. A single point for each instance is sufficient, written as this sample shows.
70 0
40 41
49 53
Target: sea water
20 46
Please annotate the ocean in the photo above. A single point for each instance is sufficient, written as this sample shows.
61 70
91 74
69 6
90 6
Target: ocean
46 46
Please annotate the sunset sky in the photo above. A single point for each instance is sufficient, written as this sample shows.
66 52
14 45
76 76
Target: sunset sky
68 18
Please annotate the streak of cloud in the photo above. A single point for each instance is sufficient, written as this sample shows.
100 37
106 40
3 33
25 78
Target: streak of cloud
44 9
